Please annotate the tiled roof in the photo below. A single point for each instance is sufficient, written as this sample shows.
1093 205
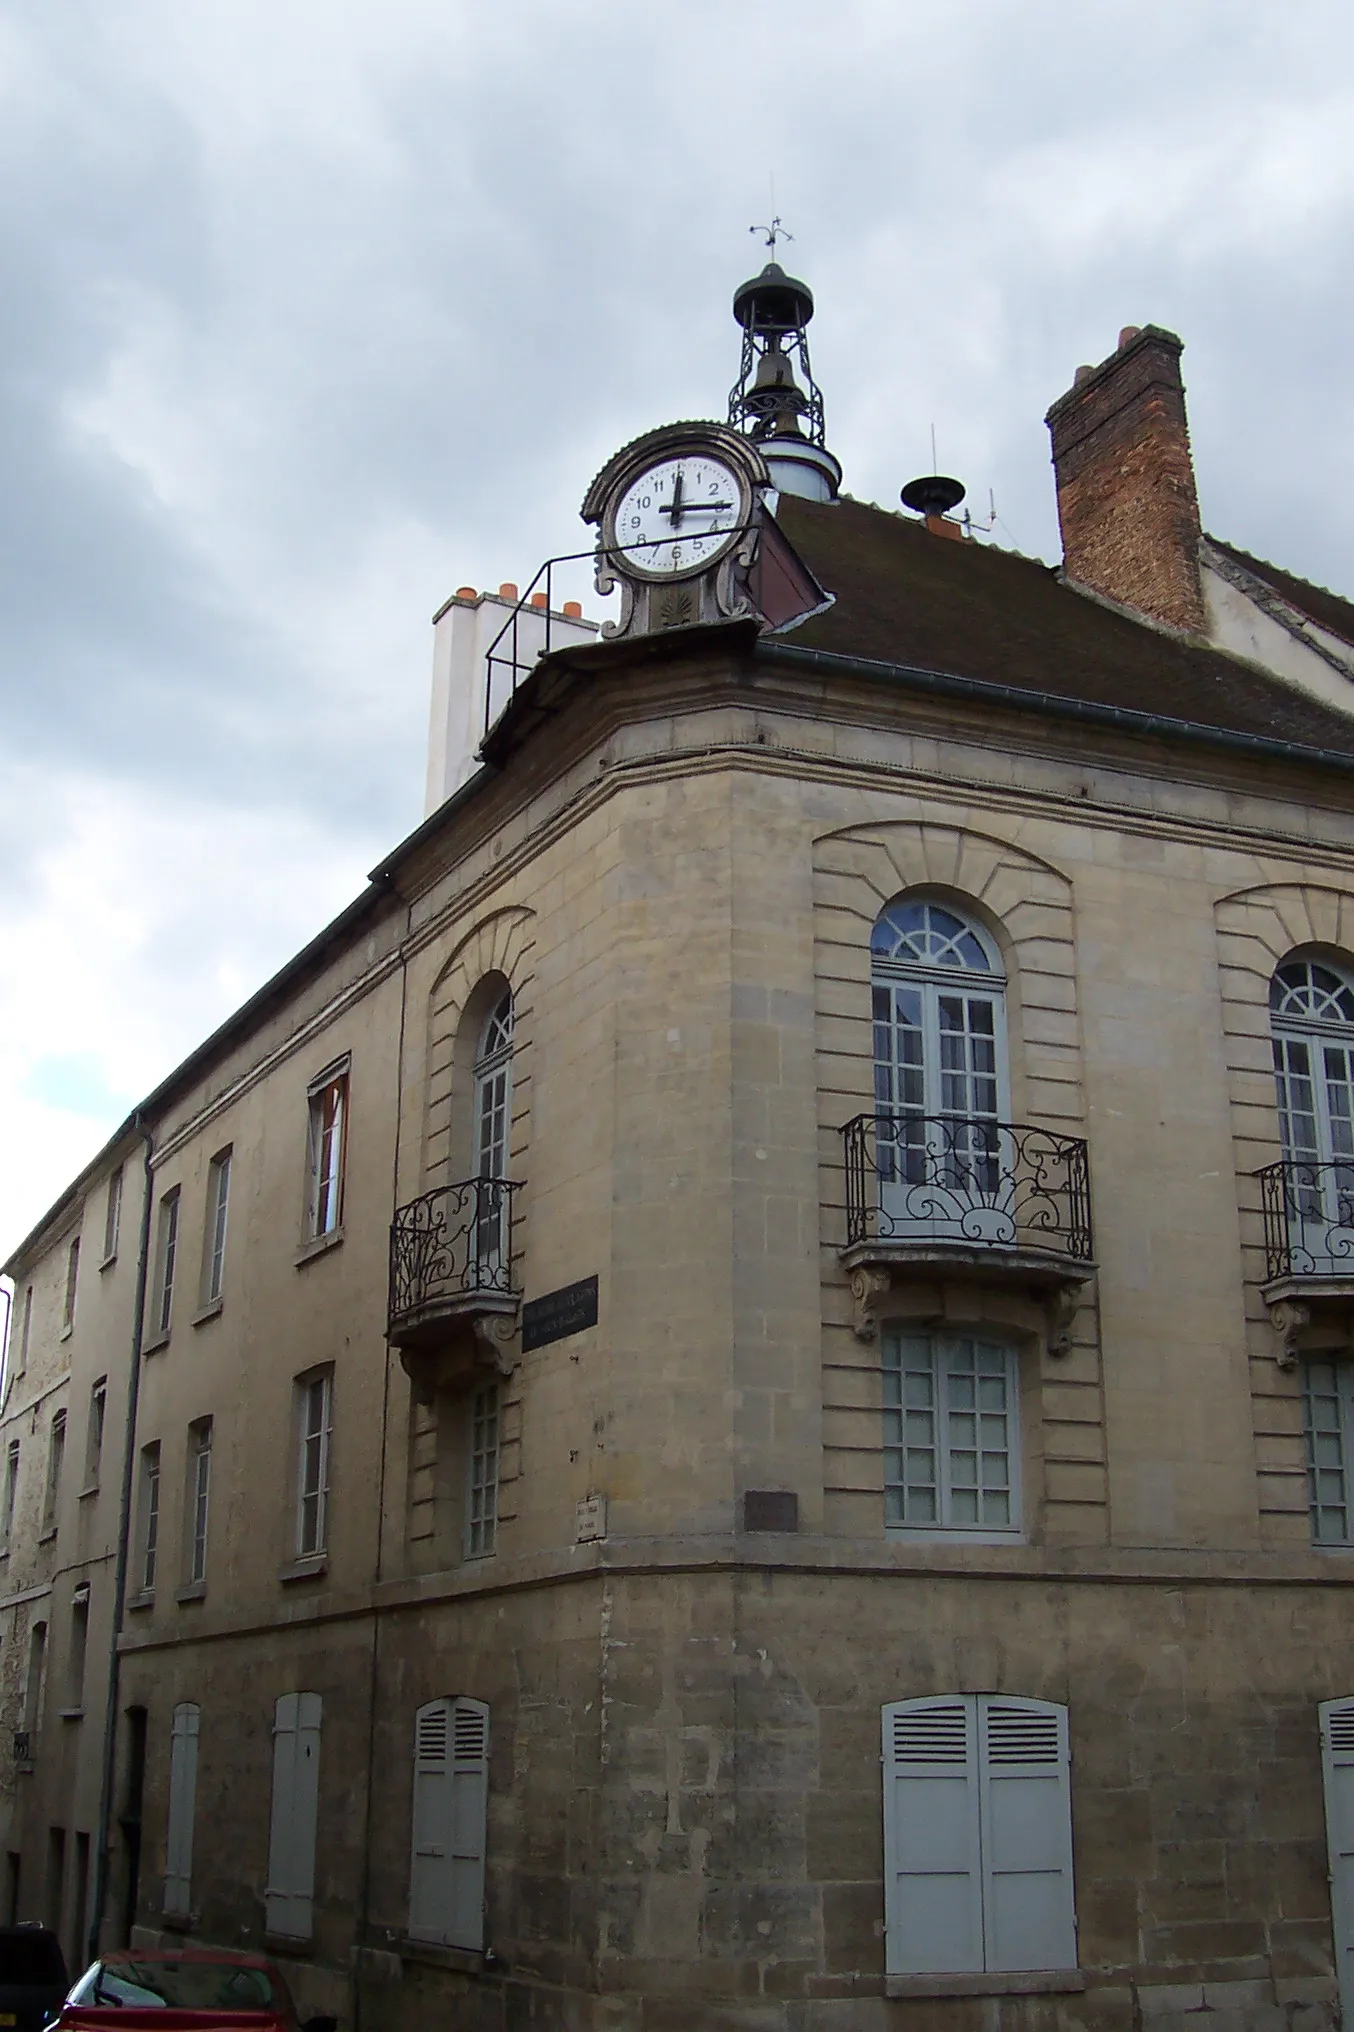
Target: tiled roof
904 596
1327 609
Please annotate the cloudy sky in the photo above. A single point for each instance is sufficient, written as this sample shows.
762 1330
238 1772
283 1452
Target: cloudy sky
311 312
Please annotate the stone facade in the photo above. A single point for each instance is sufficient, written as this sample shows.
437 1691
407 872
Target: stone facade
676 875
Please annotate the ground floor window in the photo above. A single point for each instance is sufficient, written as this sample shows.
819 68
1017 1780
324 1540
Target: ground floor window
1328 1420
977 1836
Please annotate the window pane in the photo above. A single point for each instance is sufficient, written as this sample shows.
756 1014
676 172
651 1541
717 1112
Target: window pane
1328 1394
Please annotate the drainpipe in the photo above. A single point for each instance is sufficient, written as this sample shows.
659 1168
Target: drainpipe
120 1567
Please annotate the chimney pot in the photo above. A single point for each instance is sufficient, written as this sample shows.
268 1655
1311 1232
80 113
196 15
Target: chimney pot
537 600
507 591
466 593
1127 504
573 610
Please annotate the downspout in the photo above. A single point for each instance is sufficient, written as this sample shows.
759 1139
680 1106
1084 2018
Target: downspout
120 1567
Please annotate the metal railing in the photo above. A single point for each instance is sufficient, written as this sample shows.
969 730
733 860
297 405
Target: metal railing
510 658
23 1746
453 1242
1309 1217
957 1178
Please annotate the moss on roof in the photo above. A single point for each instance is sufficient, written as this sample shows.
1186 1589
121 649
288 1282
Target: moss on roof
904 596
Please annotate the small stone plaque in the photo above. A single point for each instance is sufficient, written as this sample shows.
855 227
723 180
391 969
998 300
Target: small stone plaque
591 1515
557 1314
770 1510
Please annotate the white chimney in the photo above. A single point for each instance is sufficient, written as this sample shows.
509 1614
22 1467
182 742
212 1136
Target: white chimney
464 633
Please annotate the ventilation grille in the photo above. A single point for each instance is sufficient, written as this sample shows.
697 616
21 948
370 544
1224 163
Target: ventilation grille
937 1735
432 1735
1340 1728
470 1735
1016 1736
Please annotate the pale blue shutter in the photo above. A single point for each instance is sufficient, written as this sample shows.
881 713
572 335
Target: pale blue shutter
182 1802
289 1899
430 1862
1029 1913
1337 1771
932 1853
469 1820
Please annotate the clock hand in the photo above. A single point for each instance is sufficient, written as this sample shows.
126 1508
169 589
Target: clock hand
676 510
694 508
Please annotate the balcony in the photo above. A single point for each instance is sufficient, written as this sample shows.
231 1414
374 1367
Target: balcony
1308 1210
453 1304
949 1198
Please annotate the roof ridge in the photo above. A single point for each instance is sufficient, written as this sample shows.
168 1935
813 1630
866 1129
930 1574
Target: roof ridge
1267 564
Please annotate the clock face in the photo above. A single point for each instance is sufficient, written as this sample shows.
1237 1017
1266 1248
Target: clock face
678 516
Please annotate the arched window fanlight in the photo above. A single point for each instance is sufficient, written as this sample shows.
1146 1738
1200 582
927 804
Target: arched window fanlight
927 935
1306 991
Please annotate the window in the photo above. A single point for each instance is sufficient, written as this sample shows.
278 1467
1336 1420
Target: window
37 1653
939 1068
951 1452
166 1252
182 1805
56 1454
492 1105
315 1423
112 1216
1328 1425
72 1271
977 1836
24 1331
482 1495
450 1823
11 1486
214 1247
199 1488
289 1898
149 1536
328 1135
79 1645
1312 1029
98 1404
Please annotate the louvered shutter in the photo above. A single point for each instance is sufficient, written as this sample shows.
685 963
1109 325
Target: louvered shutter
182 1800
289 1899
1029 1915
1337 1770
469 1819
932 1853
430 1863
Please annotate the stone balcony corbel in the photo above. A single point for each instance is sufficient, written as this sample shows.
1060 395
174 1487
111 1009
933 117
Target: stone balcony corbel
453 1309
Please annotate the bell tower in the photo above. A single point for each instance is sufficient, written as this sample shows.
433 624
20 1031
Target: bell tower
767 402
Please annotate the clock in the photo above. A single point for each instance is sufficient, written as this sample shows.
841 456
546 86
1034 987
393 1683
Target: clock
678 516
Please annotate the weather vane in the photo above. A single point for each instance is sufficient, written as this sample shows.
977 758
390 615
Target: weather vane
775 231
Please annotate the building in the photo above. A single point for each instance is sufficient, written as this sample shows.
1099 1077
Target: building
743 1406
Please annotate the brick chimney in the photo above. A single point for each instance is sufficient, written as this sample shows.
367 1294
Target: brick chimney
1126 501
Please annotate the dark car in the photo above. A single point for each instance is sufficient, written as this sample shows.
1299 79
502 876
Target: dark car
33 1977
190 1989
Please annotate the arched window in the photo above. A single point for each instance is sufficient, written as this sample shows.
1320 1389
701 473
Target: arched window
939 1061
493 1091
1312 1018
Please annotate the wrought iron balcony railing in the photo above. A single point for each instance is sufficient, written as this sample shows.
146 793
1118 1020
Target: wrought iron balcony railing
1309 1217
960 1179
450 1245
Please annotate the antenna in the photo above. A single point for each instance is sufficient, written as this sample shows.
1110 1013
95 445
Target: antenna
775 231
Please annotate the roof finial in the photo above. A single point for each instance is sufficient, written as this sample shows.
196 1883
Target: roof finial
775 231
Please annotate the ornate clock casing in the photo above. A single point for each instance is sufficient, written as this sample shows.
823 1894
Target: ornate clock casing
678 515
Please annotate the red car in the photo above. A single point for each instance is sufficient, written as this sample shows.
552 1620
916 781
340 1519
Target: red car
189 1989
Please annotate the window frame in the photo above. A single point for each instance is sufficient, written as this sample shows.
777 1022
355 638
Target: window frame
166 1264
94 1432
484 1409
321 1438
197 1501
894 1335
56 1460
112 1217
215 1227
325 1189
68 1296
148 1518
77 1646
13 1454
